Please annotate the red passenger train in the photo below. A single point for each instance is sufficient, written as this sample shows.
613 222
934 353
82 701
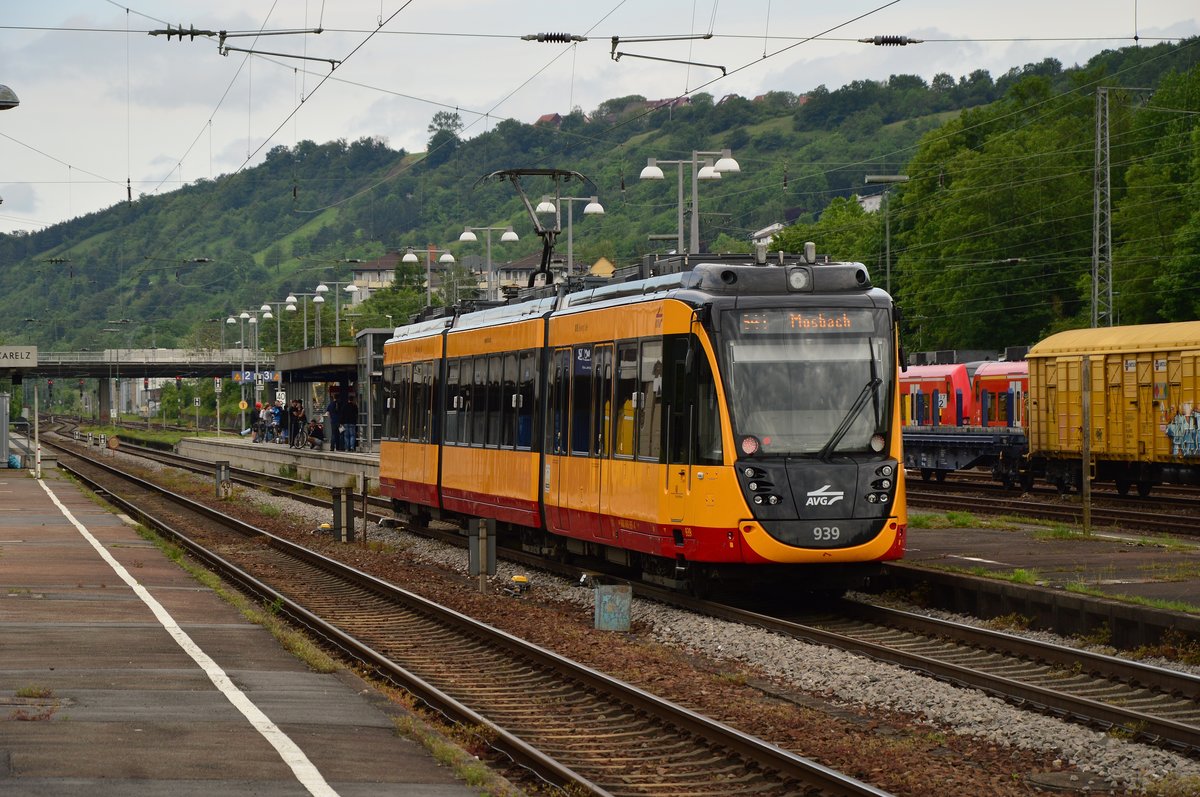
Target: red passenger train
705 424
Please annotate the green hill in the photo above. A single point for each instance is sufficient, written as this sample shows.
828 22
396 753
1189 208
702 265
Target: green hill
1001 172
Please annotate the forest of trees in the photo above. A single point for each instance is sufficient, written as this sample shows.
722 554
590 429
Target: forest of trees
990 239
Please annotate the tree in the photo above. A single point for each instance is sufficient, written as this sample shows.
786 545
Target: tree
445 128
845 232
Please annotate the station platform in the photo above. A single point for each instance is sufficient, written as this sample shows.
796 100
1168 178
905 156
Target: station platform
1127 586
320 467
121 675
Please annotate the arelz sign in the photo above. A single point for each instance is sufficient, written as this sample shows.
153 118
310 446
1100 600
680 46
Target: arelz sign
18 357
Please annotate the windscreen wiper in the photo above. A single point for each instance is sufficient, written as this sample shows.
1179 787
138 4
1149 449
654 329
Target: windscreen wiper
860 402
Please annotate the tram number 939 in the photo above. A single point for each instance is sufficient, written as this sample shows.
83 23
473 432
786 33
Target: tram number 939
826 533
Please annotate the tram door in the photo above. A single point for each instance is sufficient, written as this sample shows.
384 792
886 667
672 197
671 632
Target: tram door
554 481
580 477
601 442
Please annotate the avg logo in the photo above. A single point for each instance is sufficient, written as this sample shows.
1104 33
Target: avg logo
824 496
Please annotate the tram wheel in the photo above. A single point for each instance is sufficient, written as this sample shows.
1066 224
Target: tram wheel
1123 486
1144 488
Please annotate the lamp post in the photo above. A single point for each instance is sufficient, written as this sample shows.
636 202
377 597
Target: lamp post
267 315
292 299
240 320
887 179
317 300
592 208
509 234
337 325
701 170
447 261
411 258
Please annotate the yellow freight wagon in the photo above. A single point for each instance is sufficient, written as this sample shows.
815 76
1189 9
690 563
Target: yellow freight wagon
1145 405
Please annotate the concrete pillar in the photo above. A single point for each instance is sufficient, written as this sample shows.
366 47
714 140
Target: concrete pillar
105 399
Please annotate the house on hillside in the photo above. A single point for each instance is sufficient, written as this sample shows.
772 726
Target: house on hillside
372 275
550 120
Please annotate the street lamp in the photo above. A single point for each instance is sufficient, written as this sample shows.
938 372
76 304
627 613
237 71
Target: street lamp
317 300
292 299
323 288
447 261
508 235
240 320
887 179
701 170
411 258
8 98
592 208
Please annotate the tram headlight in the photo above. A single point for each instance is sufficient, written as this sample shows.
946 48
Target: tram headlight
799 279
878 442
750 445
886 470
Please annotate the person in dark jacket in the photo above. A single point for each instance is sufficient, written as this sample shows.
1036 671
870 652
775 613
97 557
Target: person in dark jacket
350 424
332 420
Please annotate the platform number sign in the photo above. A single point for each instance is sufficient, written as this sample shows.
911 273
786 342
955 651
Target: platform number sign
217 384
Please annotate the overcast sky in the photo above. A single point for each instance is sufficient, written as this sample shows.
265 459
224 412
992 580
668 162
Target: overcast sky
102 102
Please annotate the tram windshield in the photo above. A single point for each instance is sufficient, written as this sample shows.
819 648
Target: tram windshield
808 381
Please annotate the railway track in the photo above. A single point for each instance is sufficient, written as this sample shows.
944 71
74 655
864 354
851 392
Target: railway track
1143 702
573 726
1146 703
951 497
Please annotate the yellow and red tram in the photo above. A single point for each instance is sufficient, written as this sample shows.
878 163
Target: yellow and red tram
728 417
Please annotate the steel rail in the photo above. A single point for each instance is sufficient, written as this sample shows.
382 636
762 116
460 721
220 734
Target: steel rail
787 765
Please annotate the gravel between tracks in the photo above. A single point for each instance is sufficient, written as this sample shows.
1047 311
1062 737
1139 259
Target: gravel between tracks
1102 763
849 678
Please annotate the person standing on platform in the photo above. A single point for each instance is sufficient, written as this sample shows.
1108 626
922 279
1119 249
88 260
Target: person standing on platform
350 422
332 422
296 421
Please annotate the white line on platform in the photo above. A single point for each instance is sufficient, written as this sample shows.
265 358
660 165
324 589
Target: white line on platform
289 751
977 559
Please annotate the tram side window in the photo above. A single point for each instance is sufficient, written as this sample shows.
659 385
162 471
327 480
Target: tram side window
556 442
454 399
479 402
508 403
418 427
525 399
389 402
494 401
709 448
677 399
581 400
403 378
625 399
649 424
602 403
469 399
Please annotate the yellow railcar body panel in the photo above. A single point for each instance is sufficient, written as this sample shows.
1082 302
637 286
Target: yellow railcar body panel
495 339
413 350
669 316
417 463
490 477
1145 398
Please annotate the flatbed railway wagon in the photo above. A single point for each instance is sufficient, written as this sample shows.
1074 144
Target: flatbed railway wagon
731 419
1144 399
